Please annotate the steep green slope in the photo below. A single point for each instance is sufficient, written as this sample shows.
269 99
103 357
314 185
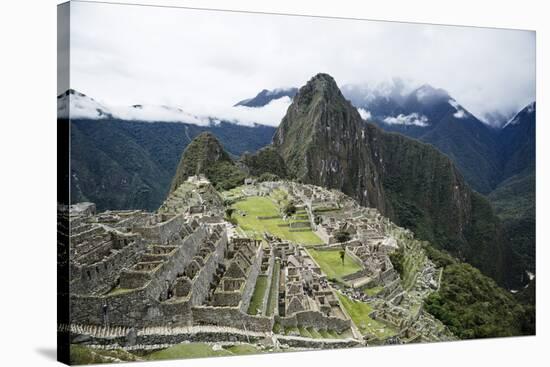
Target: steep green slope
129 164
205 155
472 305
265 160
113 170
515 197
472 146
514 202
428 195
324 142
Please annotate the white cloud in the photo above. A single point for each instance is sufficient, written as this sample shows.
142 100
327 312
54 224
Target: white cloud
82 106
365 115
414 119
460 113
205 61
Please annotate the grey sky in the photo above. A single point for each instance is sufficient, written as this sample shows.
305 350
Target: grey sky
205 61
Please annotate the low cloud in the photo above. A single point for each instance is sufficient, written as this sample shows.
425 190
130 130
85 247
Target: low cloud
460 113
414 119
85 107
271 114
365 115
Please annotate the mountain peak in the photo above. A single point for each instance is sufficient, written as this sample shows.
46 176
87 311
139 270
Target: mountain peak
319 126
206 155
526 114
322 87
75 104
266 96
428 94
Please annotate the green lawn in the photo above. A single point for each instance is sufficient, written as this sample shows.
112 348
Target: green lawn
264 207
80 354
359 313
258 295
241 349
118 290
372 291
331 264
188 350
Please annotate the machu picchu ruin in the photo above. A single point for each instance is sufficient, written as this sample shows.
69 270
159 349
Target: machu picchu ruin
235 268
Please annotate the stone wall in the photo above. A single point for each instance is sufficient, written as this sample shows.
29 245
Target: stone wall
314 319
101 276
231 317
176 263
357 275
163 231
270 278
201 282
251 277
308 343
142 307
133 338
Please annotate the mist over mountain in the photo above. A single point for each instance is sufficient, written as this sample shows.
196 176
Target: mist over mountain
266 96
82 106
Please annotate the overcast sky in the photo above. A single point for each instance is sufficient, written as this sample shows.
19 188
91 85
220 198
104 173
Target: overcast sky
206 61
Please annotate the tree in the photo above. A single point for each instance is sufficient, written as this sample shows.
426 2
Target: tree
342 236
229 212
342 256
290 209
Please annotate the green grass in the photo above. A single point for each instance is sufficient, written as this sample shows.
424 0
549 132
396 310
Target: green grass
372 291
331 264
326 334
263 206
242 349
187 350
291 330
83 355
359 313
304 332
280 196
118 290
258 295
274 289
314 333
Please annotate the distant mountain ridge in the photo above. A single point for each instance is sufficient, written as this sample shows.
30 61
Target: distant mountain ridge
266 96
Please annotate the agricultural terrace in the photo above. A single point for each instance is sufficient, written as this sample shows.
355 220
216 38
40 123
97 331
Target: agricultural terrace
248 212
359 313
331 263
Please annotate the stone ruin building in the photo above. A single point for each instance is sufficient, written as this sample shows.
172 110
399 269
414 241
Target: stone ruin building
140 277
